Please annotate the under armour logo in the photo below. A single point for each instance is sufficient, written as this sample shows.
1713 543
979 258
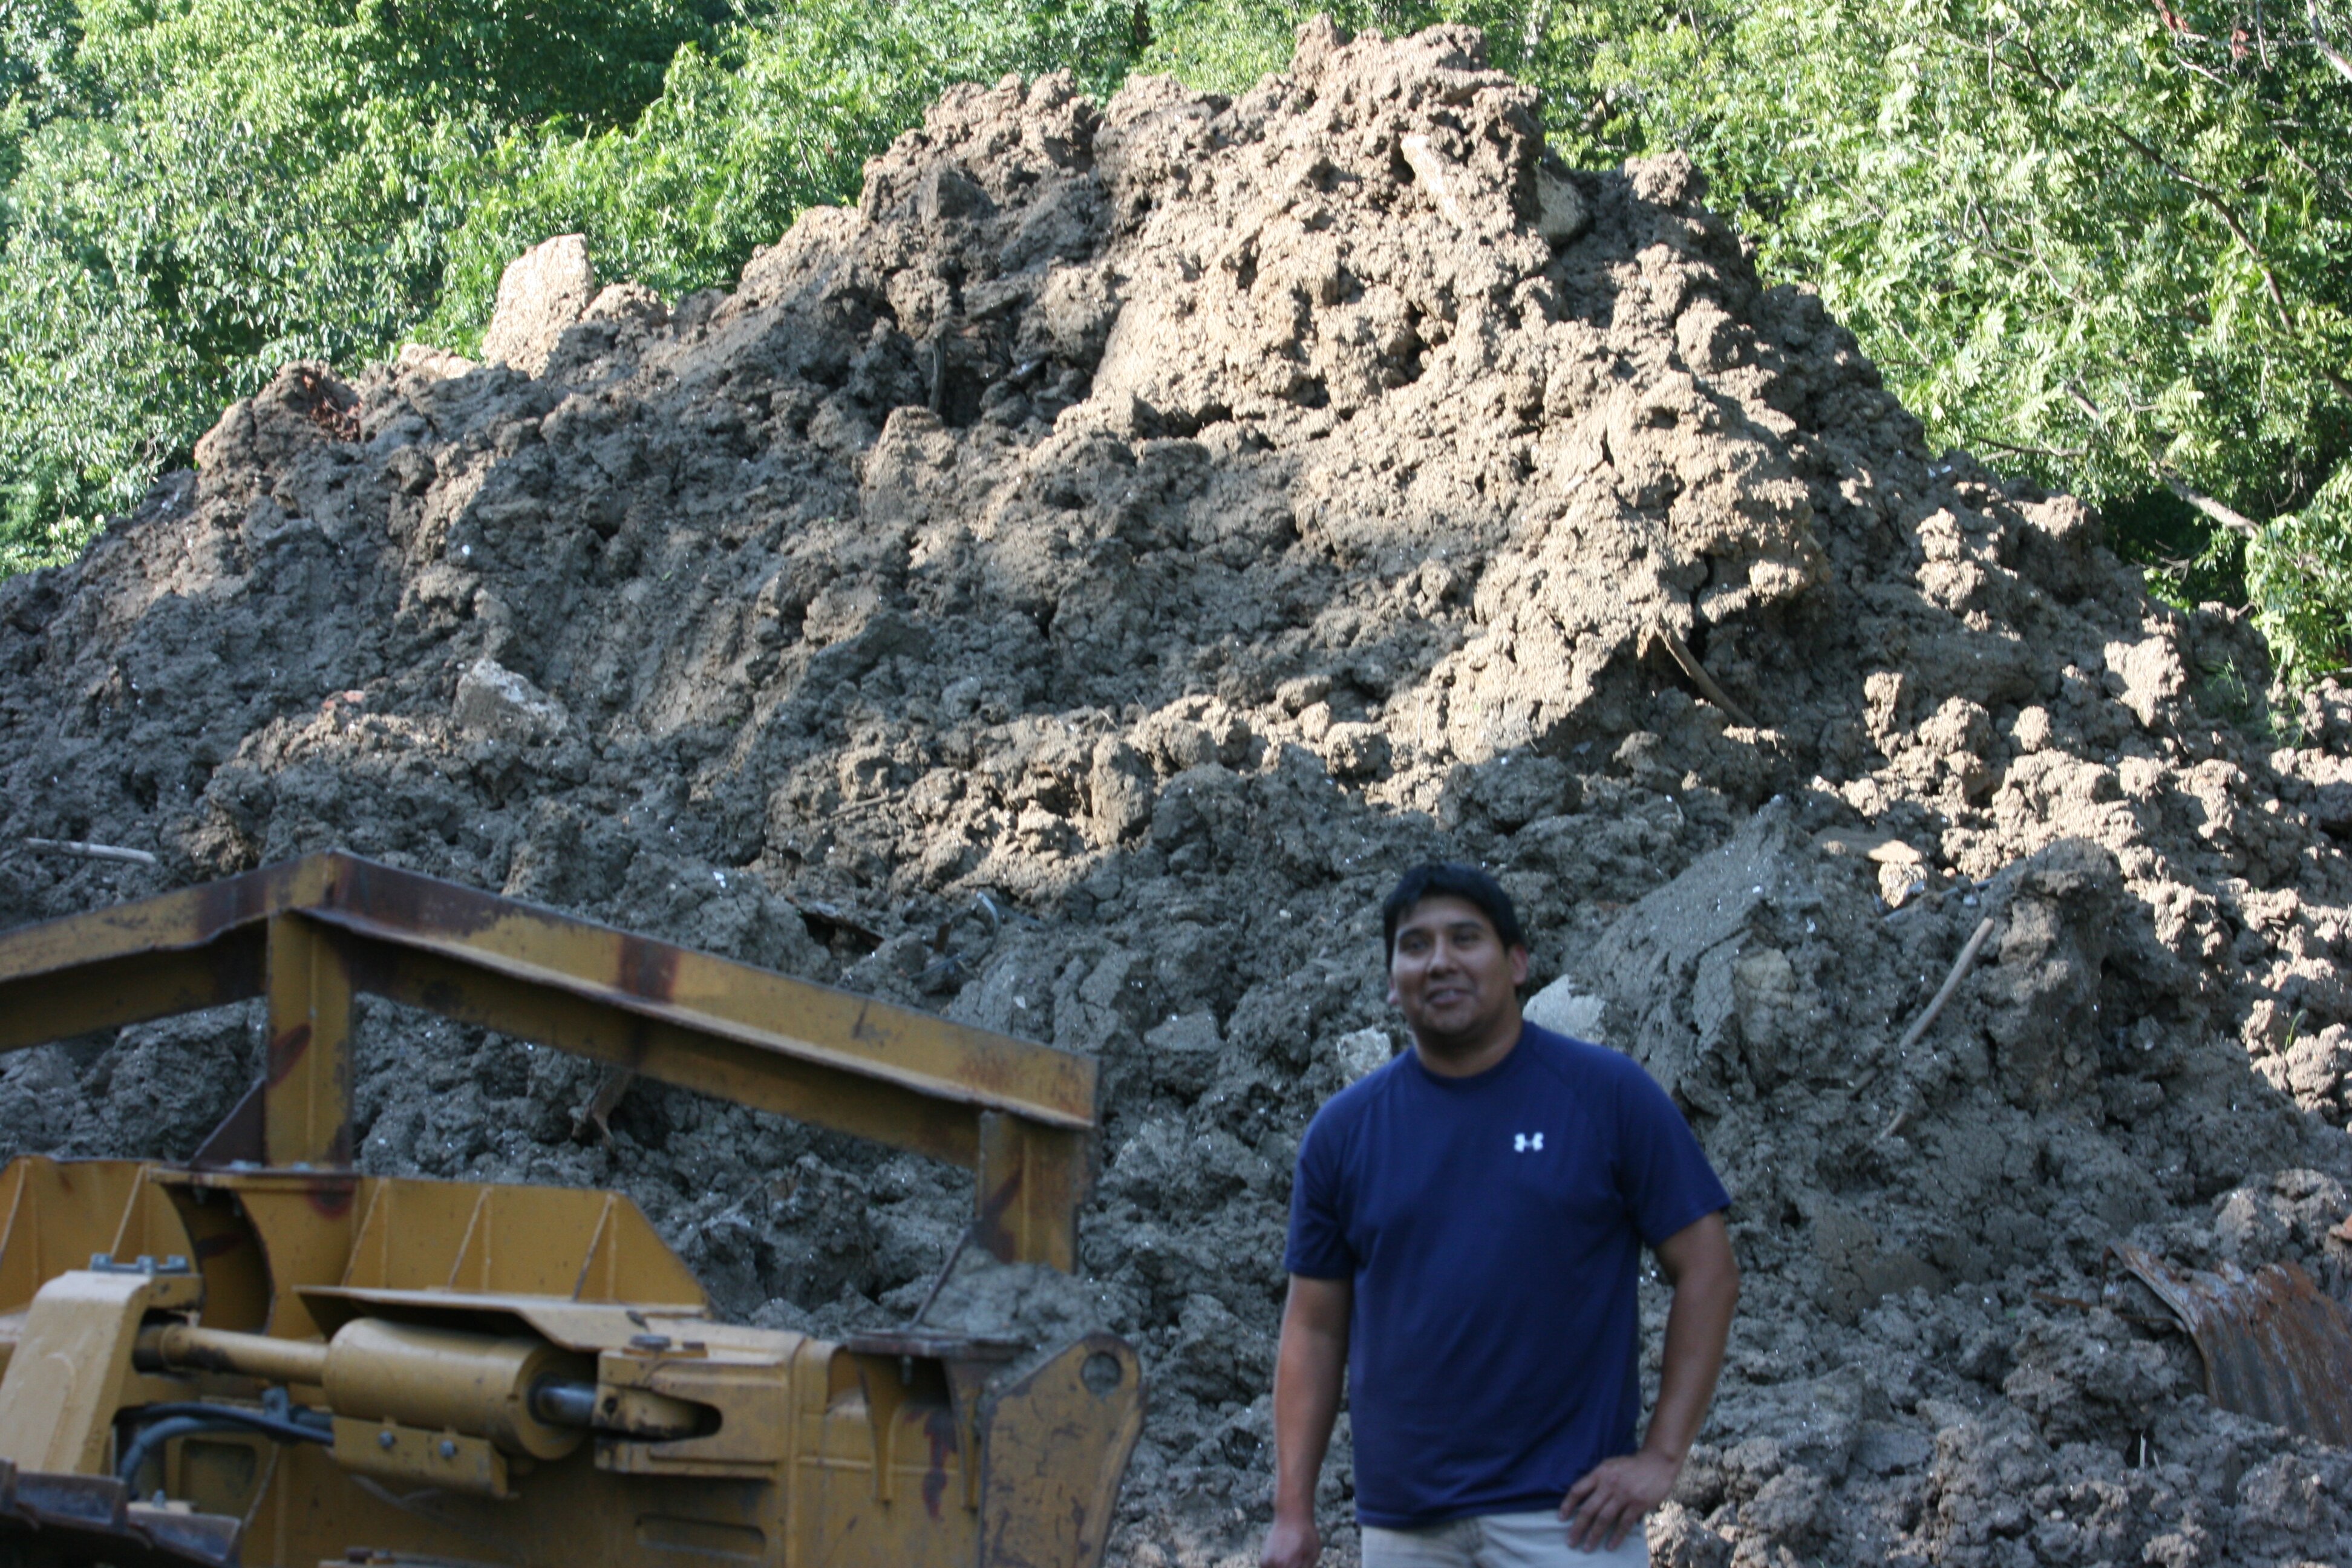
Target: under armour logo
1523 1142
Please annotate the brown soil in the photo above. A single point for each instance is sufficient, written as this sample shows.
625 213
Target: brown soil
1064 592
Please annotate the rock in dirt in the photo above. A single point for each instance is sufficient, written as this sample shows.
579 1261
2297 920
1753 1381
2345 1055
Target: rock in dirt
543 291
1065 589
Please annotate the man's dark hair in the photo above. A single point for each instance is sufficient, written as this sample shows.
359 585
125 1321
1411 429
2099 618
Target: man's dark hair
1444 880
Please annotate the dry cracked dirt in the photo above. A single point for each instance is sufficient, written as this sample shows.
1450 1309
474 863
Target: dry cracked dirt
1064 590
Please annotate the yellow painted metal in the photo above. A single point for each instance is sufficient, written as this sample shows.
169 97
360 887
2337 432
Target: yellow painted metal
888 1391
716 997
1032 1181
794 1488
435 1458
512 1240
752 1447
64 1382
57 1215
107 994
584 1326
306 1086
1055 1443
643 1414
301 1222
217 1472
828 1096
178 921
226 1249
183 1347
309 932
447 1379
423 1314
199 947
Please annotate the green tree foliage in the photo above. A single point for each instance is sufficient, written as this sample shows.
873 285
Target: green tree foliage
201 190
2101 241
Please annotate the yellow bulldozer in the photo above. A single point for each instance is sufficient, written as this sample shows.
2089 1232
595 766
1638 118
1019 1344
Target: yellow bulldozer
264 1357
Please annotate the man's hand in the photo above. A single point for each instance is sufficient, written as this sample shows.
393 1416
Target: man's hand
1291 1543
1309 1365
1607 1504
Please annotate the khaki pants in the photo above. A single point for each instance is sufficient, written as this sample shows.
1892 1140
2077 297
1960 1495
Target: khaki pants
1537 1539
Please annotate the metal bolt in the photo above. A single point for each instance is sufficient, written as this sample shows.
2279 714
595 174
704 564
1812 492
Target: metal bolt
385 1440
448 1449
649 1341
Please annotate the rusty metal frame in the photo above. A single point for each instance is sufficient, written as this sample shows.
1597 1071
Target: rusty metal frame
310 934
2276 1346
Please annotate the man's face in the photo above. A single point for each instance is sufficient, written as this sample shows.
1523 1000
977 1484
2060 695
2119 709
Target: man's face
1451 975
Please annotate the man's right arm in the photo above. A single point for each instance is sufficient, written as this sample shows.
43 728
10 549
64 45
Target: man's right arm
1308 1370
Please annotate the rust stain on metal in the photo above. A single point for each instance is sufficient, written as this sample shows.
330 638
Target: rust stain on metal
286 1051
330 1193
407 900
990 1228
939 1427
212 1246
240 900
2275 1345
217 906
647 968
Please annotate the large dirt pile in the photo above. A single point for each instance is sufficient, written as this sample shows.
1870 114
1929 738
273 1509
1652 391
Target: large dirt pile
1066 589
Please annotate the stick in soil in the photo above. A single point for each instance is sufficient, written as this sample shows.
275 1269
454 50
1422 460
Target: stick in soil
1687 662
92 851
598 1111
1943 994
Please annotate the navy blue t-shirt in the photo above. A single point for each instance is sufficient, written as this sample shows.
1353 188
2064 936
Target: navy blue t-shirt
1492 1227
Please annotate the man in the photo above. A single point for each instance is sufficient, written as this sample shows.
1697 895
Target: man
1464 1238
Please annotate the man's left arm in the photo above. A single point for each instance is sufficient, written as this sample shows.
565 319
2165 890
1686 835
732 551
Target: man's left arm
1609 1501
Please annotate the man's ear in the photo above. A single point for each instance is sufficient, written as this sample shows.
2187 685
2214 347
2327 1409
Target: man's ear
1395 1000
1518 967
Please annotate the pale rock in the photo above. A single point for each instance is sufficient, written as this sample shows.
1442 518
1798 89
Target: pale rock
1564 1010
543 291
494 700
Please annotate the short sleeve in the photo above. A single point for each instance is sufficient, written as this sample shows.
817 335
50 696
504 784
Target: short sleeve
1318 1245
1662 1172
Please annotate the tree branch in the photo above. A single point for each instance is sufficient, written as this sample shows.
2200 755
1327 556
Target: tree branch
1663 635
2071 454
2327 51
2235 522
